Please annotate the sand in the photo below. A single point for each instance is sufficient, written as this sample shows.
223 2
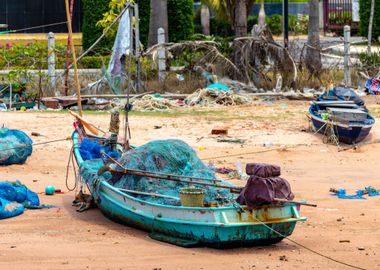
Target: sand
61 238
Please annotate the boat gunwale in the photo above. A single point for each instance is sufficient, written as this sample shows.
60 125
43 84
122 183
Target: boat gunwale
80 161
318 118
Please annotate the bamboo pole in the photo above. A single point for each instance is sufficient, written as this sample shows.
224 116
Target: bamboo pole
148 194
69 26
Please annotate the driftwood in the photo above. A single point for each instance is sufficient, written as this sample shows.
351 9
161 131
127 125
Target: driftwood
259 51
210 49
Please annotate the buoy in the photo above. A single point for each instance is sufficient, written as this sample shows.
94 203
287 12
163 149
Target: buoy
49 190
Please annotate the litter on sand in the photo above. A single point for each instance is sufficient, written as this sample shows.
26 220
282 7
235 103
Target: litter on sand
359 194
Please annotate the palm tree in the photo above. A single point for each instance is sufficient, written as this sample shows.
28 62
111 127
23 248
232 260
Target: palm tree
313 54
158 18
236 11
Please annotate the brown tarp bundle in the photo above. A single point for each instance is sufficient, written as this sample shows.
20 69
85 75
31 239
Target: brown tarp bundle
264 185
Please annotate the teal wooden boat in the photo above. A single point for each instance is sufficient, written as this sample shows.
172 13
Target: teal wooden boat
222 227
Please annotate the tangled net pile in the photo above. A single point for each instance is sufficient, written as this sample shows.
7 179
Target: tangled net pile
213 97
15 146
149 103
14 198
163 156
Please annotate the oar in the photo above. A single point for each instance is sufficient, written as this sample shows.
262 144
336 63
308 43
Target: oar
296 202
89 126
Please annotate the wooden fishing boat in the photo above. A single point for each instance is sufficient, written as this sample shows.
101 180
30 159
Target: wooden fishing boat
346 117
212 225
347 131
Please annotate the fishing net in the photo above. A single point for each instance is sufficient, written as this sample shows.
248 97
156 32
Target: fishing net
150 103
163 156
90 149
14 198
15 146
209 97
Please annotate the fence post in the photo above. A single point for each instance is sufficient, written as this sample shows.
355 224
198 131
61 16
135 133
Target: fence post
161 55
51 60
347 75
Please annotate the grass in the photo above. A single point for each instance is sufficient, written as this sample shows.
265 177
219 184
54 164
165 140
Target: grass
38 37
280 1
216 114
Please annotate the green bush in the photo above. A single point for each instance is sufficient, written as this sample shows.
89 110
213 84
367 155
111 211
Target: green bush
94 61
370 60
298 25
274 24
364 12
93 12
35 55
144 14
220 28
180 17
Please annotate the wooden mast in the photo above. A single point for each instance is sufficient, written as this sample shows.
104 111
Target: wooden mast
69 26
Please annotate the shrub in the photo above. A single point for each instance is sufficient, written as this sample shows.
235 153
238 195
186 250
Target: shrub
93 12
298 25
144 14
274 24
364 12
220 28
180 17
94 61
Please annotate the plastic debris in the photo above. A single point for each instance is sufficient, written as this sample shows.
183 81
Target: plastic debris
373 86
342 193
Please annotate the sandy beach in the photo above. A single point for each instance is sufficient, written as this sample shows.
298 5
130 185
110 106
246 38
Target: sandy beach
61 238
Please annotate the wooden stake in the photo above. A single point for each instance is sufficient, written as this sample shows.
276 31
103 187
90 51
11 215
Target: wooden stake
69 26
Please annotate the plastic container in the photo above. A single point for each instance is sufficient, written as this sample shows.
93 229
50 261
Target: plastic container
192 197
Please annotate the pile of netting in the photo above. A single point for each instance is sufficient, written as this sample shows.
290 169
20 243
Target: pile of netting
14 198
149 103
163 156
15 146
210 97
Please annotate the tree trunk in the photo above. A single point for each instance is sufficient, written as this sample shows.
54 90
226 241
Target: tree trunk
205 20
158 18
240 18
370 27
313 54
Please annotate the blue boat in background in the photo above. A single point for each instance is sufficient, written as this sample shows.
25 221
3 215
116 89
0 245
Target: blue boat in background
342 112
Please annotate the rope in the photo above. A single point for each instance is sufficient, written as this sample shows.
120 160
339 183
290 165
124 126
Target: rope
31 28
330 134
71 159
35 144
307 248
274 149
241 209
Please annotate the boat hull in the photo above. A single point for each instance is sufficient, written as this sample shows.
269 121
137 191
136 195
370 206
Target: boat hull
346 134
221 227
